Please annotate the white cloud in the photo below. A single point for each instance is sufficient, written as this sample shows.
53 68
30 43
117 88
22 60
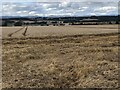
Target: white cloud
106 9
46 5
92 13
38 14
64 3
49 9
22 12
102 13
32 12
19 12
8 6
84 7
60 14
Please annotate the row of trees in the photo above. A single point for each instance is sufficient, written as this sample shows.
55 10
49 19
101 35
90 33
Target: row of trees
12 23
93 23
21 23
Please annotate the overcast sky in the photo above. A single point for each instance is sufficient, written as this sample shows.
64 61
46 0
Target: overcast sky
58 7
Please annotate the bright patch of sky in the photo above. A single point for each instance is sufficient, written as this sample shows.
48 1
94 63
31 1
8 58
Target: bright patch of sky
58 7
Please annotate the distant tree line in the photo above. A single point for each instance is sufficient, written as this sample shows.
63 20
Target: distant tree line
21 23
12 23
44 21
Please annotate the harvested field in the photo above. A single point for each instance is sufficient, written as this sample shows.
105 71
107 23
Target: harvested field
39 31
73 58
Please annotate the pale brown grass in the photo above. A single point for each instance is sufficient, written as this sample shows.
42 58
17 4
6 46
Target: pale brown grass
73 61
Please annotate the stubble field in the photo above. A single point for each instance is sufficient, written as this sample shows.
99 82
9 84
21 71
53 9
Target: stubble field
74 57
